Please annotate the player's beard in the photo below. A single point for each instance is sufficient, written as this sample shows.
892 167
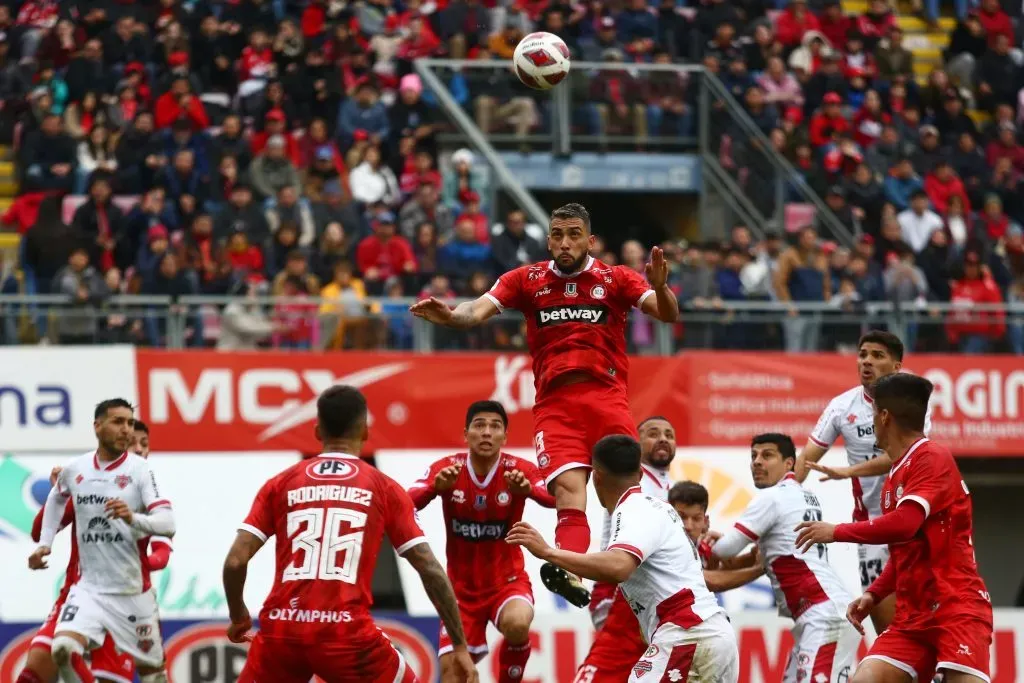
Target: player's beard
574 267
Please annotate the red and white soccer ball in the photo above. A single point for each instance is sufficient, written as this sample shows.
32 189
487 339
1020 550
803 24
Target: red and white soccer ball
541 60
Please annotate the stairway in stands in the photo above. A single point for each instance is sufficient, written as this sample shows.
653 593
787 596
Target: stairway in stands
8 190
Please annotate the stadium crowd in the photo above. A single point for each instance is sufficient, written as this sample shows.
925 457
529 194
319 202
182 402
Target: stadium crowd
287 147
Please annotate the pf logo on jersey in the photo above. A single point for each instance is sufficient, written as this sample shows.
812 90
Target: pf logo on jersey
331 469
598 292
503 498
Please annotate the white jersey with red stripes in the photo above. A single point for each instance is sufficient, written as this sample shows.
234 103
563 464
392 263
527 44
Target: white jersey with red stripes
668 585
111 554
654 482
800 580
851 415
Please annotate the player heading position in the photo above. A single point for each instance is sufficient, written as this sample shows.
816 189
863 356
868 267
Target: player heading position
576 309
943 612
330 514
116 505
619 643
850 415
806 587
658 571
483 494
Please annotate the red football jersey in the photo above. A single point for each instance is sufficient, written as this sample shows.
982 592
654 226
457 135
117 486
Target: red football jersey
573 322
477 514
330 514
936 570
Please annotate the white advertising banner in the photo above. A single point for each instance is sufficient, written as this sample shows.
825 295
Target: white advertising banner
211 497
48 394
723 471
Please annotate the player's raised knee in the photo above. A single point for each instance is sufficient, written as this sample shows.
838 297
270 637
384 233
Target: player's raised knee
64 647
516 629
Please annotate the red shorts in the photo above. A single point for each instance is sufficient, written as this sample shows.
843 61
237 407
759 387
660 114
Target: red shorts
570 419
105 660
297 661
957 644
616 648
476 613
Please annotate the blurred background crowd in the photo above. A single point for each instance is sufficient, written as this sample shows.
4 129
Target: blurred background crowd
287 147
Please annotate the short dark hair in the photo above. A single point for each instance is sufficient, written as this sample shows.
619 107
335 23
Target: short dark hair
889 340
906 397
340 411
618 454
649 419
104 407
688 493
141 426
573 210
477 407
782 441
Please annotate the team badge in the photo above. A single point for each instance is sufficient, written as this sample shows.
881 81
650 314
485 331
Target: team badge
480 501
458 496
122 481
515 671
79 479
570 289
899 491
597 292
504 498
642 668
543 459
652 652
146 644
851 418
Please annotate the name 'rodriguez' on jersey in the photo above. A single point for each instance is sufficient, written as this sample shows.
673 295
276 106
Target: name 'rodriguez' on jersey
574 322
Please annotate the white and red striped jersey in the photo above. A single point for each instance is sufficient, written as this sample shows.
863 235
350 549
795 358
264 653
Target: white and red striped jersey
800 580
668 585
111 554
851 415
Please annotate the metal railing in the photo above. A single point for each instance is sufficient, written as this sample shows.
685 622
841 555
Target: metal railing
380 323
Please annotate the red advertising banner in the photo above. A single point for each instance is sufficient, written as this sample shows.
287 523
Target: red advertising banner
210 401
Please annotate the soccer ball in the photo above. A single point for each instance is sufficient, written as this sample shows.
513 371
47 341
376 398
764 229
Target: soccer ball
541 60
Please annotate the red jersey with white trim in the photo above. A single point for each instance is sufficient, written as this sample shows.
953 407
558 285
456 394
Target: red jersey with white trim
936 572
668 585
477 515
111 554
851 415
800 580
574 322
330 514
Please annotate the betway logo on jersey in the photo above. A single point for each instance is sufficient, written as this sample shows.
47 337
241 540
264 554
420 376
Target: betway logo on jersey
90 499
479 531
584 313
280 398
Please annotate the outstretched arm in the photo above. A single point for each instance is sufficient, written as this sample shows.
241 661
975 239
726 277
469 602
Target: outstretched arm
464 316
439 590
614 565
869 468
721 580
810 454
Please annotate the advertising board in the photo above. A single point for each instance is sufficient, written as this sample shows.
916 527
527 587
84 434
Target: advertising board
48 394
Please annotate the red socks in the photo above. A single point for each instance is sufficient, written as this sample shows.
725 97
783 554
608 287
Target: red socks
81 669
512 662
572 532
28 676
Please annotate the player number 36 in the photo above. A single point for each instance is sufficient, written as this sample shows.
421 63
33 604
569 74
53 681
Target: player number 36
320 548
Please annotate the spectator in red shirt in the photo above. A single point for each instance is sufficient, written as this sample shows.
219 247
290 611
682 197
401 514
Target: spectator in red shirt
834 24
420 172
276 123
419 42
942 184
246 259
995 21
869 120
828 120
876 23
179 102
973 331
470 200
257 62
1005 145
384 253
794 22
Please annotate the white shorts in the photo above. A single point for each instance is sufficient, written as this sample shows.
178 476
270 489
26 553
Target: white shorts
703 654
872 562
824 647
131 620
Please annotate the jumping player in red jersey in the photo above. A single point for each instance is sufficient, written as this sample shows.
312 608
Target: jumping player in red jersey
484 493
330 514
576 309
106 663
943 616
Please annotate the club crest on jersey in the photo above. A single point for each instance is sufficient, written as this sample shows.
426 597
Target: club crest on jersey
458 496
598 292
480 501
570 289
122 481
642 668
503 498
79 479
543 459
899 491
851 418
145 644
